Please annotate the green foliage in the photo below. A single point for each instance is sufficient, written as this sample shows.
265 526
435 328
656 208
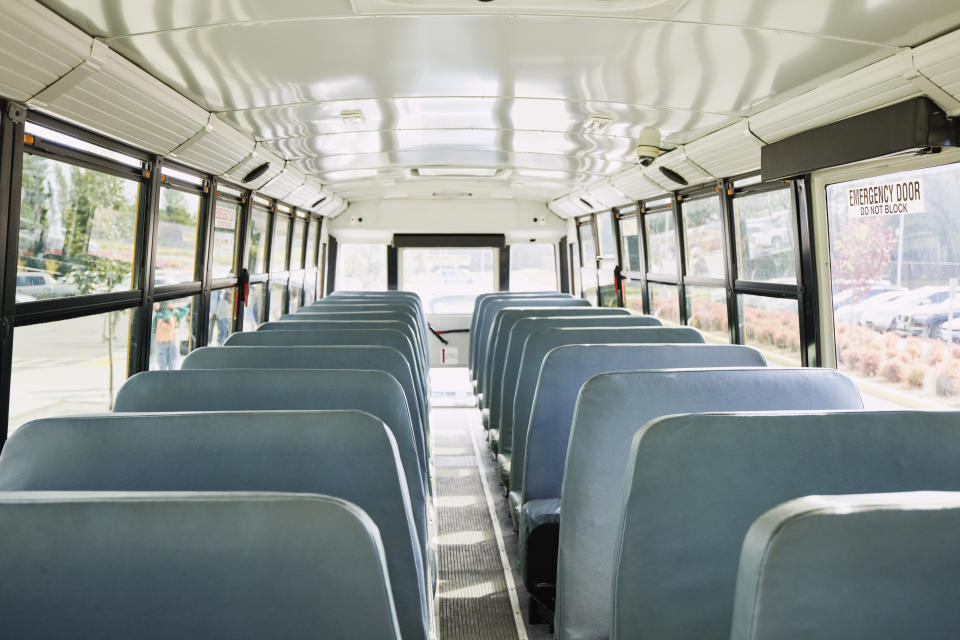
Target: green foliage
34 205
174 207
862 253
99 274
88 192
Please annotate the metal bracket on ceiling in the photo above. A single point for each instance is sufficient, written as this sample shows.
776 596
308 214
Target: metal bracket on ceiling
16 112
90 66
682 151
195 138
947 102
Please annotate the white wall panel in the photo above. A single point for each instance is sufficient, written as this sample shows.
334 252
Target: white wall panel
284 183
729 152
37 47
635 185
606 195
124 102
254 160
678 161
938 61
216 148
306 195
870 88
566 207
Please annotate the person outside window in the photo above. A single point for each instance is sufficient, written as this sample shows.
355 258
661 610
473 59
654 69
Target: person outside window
166 321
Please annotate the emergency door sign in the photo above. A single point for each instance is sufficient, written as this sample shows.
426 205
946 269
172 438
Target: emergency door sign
889 198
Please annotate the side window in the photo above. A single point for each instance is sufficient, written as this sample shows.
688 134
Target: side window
362 267
533 267
765 237
257 250
895 270
177 236
278 245
77 229
223 251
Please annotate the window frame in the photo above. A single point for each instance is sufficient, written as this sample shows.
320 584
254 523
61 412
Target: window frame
144 293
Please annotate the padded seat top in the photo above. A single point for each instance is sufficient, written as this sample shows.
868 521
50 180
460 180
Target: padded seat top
331 312
485 318
517 341
490 314
232 566
610 410
542 341
365 357
856 567
540 445
375 392
330 337
736 467
347 454
479 304
502 338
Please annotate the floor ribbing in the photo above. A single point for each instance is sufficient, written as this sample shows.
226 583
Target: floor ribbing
473 600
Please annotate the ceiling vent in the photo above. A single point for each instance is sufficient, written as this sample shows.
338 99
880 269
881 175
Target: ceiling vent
456 172
452 195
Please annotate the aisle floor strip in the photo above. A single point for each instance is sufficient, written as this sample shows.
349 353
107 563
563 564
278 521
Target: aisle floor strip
477 598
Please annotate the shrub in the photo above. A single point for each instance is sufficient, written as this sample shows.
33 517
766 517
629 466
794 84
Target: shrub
870 363
935 353
915 377
765 335
892 371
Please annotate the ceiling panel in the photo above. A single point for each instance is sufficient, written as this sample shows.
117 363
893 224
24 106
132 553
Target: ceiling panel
461 158
507 84
545 142
896 22
321 118
717 69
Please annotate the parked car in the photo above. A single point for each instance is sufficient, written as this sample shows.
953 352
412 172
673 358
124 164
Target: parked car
846 297
853 313
41 285
927 320
951 330
883 316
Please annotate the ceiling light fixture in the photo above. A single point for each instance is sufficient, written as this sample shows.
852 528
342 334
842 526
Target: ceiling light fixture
597 123
353 116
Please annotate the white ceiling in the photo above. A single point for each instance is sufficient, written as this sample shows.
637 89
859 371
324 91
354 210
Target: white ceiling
506 84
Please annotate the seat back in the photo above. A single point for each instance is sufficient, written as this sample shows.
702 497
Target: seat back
346 454
331 337
540 444
376 392
410 309
736 467
486 318
542 341
855 567
406 317
411 300
365 357
479 305
490 314
517 341
610 410
503 326
219 566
